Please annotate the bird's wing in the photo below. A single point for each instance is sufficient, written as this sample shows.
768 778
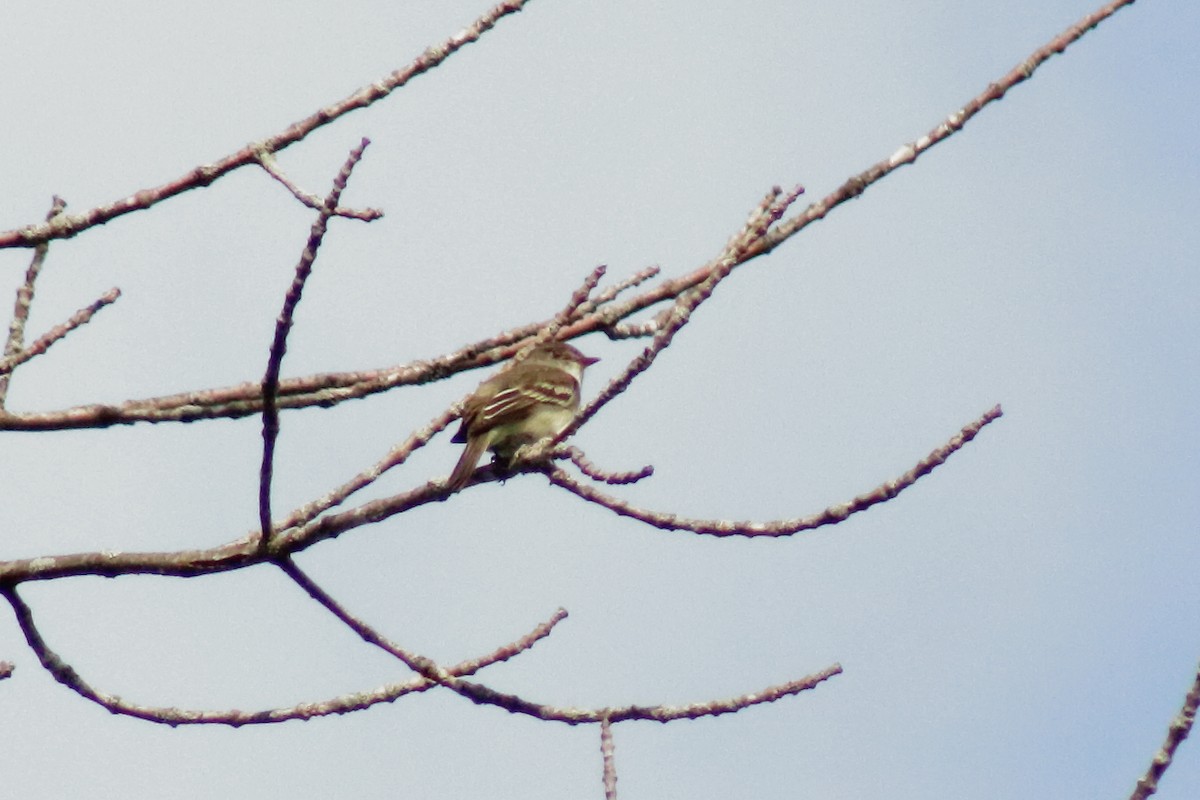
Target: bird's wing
512 402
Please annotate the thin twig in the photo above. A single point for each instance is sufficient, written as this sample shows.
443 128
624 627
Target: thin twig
283 325
585 465
909 153
610 764
578 299
479 693
635 330
395 457
16 328
1178 730
426 667
658 713
43 342
634 280
268 162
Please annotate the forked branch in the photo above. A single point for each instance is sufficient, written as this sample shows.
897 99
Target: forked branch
64 226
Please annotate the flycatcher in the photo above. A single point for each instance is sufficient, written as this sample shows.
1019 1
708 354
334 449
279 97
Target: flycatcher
520 405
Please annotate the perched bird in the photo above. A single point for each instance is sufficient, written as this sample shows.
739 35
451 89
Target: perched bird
520 405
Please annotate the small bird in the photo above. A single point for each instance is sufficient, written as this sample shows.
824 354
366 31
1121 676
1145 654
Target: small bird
520 405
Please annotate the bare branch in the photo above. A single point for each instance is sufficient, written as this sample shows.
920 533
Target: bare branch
283 324
665 520
395 457
66 675
610 764
617 289
426 667
332 388
63 227
1178 730
268 162
579 301
636 330
323 390
659 713
514 348
16 328
762 232
909 153
43 342
595 473
293 539
232 555
450 678
768 211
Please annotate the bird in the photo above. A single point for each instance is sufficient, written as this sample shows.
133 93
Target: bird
520 405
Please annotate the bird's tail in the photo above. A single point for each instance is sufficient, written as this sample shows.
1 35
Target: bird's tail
465 467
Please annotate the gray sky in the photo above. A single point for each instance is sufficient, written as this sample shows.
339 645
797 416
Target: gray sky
1019 624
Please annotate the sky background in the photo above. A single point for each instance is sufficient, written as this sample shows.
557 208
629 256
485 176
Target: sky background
1021 623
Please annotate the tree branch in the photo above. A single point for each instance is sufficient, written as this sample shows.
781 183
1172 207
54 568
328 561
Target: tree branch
66 226
668 521
268 162
329 389
343 704
1178 730
43 342
16 328
610 764
292 539
283 325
